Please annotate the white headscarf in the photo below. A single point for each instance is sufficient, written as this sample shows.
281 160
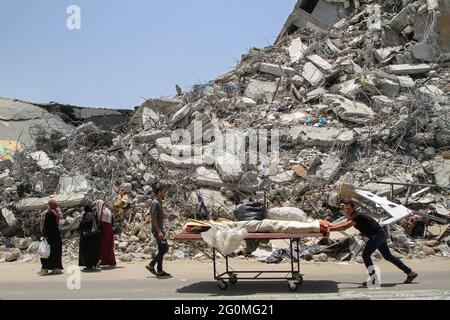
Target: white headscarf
103 213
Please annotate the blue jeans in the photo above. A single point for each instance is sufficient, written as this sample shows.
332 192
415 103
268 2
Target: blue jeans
378 241
163 247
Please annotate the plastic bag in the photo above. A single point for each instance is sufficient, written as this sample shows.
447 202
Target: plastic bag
250 211
44 249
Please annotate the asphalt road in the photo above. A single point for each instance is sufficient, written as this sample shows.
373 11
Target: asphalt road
193 280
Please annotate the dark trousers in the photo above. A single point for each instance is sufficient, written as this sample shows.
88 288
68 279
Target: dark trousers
163 247
378 241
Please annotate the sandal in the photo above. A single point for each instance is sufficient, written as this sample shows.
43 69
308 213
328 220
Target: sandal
56 271
42 272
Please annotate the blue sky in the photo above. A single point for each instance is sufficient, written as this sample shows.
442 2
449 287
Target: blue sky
126 51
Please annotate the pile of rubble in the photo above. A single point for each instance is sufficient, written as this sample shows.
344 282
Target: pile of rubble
364 102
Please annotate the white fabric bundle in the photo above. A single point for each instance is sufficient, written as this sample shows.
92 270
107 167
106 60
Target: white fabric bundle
287 214
224 240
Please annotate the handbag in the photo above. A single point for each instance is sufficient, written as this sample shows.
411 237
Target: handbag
94 230
44 249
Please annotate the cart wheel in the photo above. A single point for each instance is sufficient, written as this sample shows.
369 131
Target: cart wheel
293 286
233 279
298 278
222 284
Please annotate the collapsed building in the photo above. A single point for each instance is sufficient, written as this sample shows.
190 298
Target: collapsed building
358 91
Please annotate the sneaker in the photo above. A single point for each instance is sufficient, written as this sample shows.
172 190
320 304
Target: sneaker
163 274
411 277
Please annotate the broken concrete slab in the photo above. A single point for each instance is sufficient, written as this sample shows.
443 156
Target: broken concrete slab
402 19
189 162
229 167
17 118
319 62
42 159
332 47
348 110
408 68
64 201
208 178
348 88
329 168
433 93
423 52
442 171
245 102
312 74
297 50
317 136
201 128
181 114
388 87
211 198
72 184
384 190
148 114
164 145
383 103
250 182
9 217
314 94
383 53
406 82
282 178
293 118
150 137
260 90
278 71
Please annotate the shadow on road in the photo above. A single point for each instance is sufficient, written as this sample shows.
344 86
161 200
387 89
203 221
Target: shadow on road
260 287
360 286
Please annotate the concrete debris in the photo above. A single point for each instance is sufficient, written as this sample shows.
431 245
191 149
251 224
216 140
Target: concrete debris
312 74
442 172
297 50
433 93
320 62
260 90
283 177
42 160
348 110
278 71
324 137
64 200
9 217
181 114
68 185
208 178
229 167
408 68
358 91
406 82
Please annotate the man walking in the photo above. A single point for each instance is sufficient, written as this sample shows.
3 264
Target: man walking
377 240
157 216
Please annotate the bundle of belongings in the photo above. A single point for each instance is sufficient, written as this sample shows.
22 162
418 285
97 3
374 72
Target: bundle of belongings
226 235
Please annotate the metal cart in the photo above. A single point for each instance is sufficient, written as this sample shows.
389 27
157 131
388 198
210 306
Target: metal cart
294 277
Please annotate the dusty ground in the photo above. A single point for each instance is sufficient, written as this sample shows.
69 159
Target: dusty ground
194 280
